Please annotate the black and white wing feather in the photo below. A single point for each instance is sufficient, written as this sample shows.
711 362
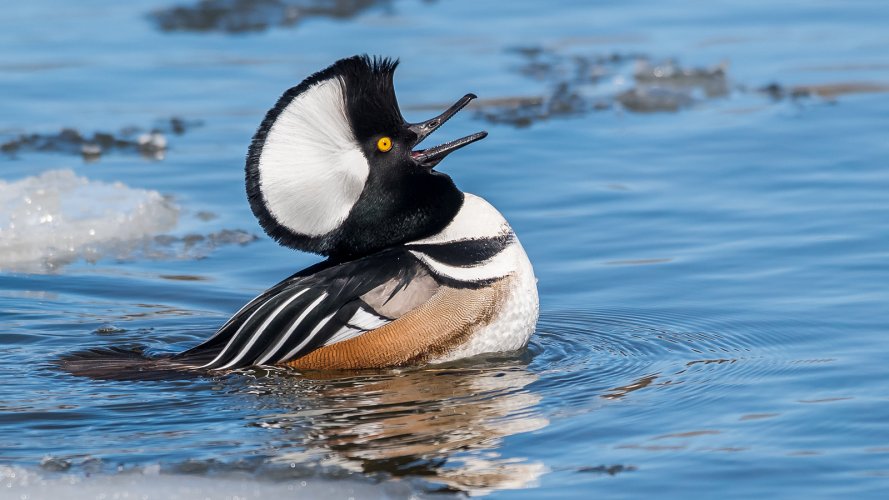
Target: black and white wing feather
319 306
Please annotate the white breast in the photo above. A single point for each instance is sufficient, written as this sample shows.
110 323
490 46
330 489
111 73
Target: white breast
476 219
516 320
512 326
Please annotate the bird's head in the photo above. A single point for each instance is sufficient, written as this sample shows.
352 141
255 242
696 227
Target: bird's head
334 168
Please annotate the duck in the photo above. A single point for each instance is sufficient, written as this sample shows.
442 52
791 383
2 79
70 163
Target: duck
416 271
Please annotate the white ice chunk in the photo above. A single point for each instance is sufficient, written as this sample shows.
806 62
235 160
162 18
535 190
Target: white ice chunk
152 484
57 217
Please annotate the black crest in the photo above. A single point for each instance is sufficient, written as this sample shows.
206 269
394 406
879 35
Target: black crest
370 94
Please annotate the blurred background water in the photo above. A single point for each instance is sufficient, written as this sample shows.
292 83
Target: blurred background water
702 187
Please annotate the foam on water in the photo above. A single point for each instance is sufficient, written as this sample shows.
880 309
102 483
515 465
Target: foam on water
57 217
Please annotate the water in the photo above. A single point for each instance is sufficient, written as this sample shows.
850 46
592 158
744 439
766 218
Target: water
712 251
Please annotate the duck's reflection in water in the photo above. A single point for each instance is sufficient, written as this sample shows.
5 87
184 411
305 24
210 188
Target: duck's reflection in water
443 423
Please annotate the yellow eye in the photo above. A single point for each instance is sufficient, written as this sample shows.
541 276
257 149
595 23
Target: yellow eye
384 144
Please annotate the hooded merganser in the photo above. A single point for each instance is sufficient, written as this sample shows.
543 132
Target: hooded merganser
416 272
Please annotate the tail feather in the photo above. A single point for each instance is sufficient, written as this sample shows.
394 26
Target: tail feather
121 363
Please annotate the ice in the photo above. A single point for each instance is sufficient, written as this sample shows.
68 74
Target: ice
149 483
58 217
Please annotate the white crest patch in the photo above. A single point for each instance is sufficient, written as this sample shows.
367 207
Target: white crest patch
311 169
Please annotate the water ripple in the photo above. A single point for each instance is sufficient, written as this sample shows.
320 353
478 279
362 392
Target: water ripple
584 355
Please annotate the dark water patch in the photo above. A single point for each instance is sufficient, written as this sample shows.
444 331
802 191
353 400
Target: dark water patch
577 84
688 434
827 91
758 416
109 330
639 262
182 277
206 216
36 66
824 400
668 86
582 83
55 464
148 143
194 246
244 16
611 470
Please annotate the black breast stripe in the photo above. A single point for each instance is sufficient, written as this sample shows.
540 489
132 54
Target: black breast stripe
465 253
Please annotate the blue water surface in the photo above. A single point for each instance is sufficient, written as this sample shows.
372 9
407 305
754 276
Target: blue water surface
713 278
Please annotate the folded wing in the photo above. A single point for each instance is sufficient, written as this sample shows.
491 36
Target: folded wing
316 308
